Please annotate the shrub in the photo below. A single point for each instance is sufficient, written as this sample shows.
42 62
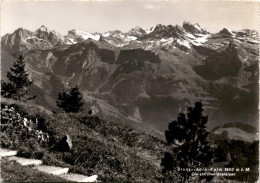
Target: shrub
70 101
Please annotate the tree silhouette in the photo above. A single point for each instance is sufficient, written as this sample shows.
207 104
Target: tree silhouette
188 145
70 101
17 87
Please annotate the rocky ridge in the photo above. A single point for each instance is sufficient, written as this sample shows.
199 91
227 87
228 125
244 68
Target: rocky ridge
148 75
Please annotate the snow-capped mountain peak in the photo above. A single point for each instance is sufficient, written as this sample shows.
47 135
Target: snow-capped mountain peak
169 37
197 26
74 36
106 34
148 31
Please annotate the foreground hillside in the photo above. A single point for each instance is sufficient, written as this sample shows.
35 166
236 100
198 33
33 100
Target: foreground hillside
109 149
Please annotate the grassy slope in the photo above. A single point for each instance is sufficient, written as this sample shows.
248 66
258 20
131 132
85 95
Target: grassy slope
110 149
14 172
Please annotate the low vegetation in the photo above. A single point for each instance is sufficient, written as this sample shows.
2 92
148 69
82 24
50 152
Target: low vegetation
113 151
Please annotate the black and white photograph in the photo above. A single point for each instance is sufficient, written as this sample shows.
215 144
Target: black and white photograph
129 91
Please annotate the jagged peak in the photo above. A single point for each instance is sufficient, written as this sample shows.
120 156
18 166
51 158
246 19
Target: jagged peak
226 32
80 32
136 31
189 23
20 29
115 31
159 26
186 22
22 32
75 31
156 28
74 34
193 28
43 28
56 33
197 25
139 29
249 32
179 28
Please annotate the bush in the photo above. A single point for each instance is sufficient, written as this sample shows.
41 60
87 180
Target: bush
70 101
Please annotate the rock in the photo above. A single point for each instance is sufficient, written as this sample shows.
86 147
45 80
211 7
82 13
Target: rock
79 178
18 115
65 144
52 169
228 157
6 152
25 161
25 122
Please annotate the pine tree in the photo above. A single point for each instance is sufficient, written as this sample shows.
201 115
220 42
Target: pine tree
17 87
70 101
188 145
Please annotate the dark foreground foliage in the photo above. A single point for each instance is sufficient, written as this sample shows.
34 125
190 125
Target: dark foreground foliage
188 144
240 154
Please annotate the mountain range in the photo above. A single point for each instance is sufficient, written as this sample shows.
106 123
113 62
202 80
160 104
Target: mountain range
145 76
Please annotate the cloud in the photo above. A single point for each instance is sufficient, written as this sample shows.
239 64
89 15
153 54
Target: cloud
149 7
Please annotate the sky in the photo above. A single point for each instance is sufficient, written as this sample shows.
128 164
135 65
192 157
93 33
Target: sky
102 16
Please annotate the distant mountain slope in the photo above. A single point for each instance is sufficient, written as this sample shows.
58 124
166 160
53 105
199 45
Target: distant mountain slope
23 39
5 66
147 76
234 131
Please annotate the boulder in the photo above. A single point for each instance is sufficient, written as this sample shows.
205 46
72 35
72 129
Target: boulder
65 144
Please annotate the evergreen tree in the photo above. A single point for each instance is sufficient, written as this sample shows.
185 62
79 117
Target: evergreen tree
188 145
17 87
70 101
